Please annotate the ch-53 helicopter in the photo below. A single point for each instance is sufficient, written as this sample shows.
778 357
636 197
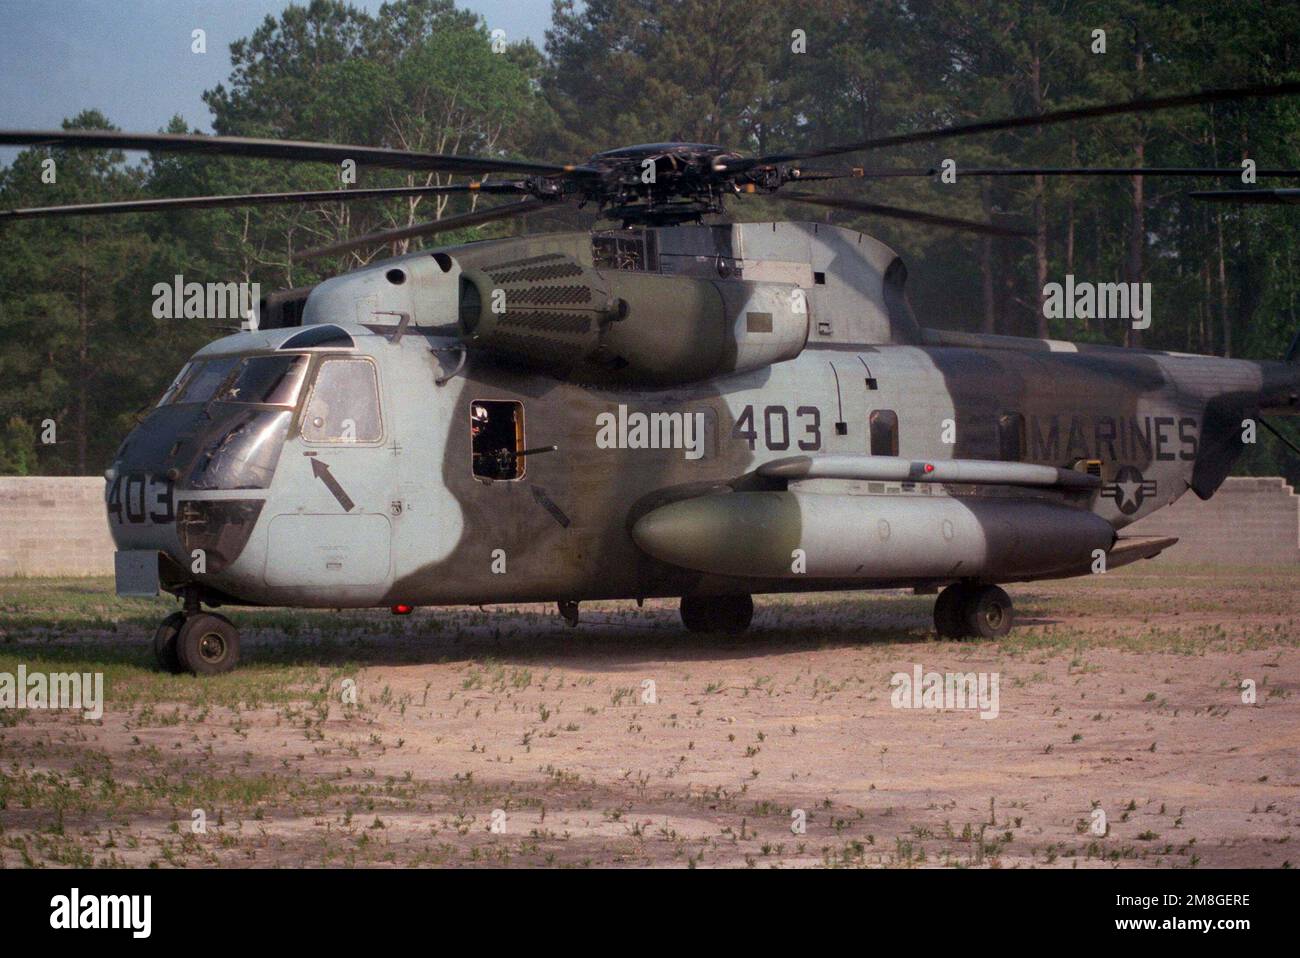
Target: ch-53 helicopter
661 409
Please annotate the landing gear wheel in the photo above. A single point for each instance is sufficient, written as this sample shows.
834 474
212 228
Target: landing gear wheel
949 621
987 612
164 643
717 613
208 644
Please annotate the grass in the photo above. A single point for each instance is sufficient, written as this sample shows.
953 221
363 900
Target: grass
313 786
79 624
297 655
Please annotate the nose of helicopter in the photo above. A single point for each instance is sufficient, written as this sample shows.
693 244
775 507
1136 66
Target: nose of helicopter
188 486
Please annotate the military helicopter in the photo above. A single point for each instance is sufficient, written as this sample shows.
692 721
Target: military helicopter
662 408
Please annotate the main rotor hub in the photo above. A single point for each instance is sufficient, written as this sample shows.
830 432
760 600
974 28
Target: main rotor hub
661 184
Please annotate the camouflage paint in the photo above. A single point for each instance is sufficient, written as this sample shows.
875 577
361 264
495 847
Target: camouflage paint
1160 424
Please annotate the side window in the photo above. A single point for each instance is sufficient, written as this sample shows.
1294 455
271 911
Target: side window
1011 437
884 432
496 429
344 403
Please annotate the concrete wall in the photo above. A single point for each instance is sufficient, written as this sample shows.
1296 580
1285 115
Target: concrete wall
1249 521
54 525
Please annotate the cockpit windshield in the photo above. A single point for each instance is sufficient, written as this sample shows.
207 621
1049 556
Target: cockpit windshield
263 380
272 380
243 452
221 424
181 378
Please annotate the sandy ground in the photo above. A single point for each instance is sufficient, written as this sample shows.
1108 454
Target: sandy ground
1121 738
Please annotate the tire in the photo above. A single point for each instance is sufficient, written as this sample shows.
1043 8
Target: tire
695 614
208 644
734 613
164 643
717 613
988 612
949 621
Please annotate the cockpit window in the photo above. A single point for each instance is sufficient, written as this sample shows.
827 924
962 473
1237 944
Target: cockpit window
176 385
267 380
272 380
205 379
343 405
241 451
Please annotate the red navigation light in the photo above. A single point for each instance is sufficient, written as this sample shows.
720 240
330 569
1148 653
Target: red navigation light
929 467
402 609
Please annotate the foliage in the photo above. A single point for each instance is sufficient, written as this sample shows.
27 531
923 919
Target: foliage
78 343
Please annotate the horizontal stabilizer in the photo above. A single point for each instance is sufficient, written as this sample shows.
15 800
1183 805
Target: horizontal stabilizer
1125 550
1131 548
898 469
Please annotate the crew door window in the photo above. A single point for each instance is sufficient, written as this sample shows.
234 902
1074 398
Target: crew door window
497 438
1011 437
343 406
884 432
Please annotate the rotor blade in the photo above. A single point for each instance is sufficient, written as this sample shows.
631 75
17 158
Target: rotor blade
1114 171
251 199
476 218
803 174
809 174
1262 197
1045 119
298 150
898 213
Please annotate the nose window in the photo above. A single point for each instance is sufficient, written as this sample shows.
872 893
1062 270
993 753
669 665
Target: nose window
242 452
344 403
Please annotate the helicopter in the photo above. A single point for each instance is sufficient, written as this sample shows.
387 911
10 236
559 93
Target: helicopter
662 408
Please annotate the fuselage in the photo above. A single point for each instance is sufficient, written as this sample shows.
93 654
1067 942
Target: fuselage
347 464
424 529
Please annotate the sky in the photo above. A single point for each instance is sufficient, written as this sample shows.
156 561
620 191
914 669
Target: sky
131 59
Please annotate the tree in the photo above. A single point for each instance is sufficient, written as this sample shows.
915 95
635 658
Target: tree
421 75
62 283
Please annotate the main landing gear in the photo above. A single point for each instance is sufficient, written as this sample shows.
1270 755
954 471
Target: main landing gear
717 613
970 610
202 643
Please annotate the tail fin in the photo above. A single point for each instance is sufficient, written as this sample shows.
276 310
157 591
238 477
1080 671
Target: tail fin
1226 414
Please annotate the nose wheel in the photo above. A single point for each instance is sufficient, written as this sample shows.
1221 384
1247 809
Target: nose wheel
967 610
202 643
